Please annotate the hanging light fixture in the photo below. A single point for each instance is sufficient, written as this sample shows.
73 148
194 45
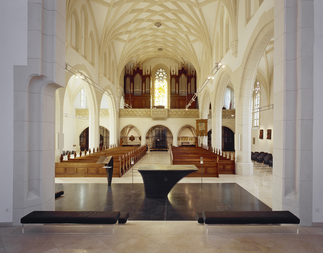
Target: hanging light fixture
215 70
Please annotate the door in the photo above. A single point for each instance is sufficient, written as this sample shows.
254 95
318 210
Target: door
227 139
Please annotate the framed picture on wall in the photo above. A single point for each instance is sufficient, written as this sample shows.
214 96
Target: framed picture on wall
201 127
268 134
261 133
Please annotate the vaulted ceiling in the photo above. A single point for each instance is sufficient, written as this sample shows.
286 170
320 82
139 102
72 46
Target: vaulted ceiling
141 30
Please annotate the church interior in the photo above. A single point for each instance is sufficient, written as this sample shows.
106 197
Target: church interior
230 86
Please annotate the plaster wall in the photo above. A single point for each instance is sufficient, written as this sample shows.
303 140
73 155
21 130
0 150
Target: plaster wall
317 115
265 123
246 33
69 133
105 122
13 51
265 145
293 123
144 124
34 107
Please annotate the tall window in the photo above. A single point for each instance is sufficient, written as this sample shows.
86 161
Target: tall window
161 88
82 100
256 104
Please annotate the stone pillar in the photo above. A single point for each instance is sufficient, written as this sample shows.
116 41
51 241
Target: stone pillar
244 165
34 108
13 51
293 112
94 129
317 115
217 127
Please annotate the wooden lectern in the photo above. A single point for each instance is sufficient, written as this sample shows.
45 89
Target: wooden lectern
108 165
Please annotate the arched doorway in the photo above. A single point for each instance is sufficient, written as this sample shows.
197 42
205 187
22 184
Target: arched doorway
84 139
227 139
104 137
159 138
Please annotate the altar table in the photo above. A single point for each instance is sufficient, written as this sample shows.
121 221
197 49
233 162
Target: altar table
160 179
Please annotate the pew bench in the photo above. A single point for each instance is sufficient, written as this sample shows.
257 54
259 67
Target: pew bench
248 218
74 217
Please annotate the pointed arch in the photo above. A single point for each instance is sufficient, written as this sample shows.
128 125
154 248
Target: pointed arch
227 33
206 100
92 47
159 137
84 33
221 45
74 30
113 112
130 136
186 136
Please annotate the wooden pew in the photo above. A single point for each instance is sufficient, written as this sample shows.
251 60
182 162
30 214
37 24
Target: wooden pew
213 164
187 155
86 166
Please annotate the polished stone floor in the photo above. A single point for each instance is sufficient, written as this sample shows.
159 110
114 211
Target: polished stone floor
182 203
166 236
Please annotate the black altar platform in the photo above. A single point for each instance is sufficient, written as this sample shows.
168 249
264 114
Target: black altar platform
183 202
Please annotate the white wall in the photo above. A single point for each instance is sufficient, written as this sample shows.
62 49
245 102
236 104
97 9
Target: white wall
144 124
69 126
13 51
317 114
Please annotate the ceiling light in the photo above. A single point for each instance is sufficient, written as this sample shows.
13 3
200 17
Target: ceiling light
158 24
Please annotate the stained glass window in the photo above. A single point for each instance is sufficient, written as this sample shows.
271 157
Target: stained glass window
161 87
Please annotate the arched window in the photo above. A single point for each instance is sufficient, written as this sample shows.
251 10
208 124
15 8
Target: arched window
256 104
74 31
80 100
229 99
161 88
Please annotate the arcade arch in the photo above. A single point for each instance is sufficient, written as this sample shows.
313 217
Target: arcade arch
130 136
186 136
159 137
108 116
224 83
243 100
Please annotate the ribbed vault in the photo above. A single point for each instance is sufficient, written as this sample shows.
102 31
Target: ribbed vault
141 30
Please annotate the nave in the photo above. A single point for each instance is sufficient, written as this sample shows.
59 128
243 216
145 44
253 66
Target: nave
189 196
165 236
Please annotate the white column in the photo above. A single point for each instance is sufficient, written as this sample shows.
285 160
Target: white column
317 114
13 51
293 113
94 129
34 109
217 127
244 165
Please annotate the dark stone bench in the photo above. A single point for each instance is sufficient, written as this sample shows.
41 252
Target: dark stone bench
248 217
78 217
58 194
123 218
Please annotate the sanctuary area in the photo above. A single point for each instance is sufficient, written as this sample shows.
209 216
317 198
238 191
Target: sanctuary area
231 87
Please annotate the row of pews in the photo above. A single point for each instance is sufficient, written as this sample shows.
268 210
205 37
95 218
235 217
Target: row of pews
214 163
86 166
67 155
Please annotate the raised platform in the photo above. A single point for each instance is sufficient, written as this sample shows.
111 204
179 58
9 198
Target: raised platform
183 202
